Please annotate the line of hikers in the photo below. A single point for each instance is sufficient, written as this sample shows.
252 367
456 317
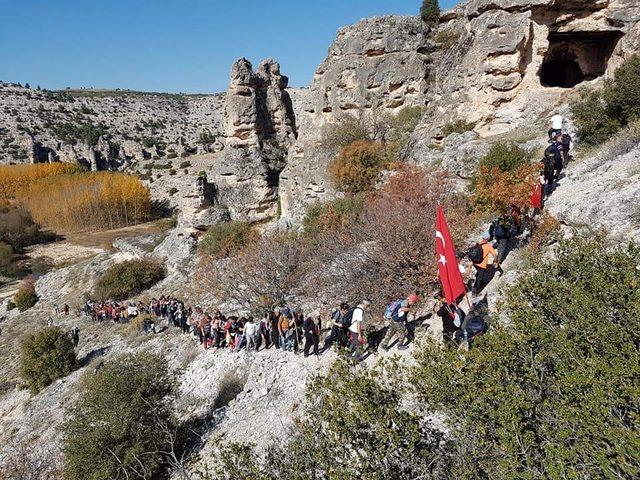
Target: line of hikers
290 329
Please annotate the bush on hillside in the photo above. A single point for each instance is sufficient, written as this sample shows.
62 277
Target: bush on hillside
506 157
504 177
128 278
358 166
595 126
88 201
430 11
225 239
459 126
334 215
407 119
46 356
622 95
260 276
496 191
72 133
555 390
600 114
119 427
345 131
26 296
16 179
388 250
18 229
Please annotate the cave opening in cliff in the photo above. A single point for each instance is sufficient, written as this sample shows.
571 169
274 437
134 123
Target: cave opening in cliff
575 57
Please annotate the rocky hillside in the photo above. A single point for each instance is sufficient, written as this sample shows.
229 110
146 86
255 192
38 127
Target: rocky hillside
492 70
104 128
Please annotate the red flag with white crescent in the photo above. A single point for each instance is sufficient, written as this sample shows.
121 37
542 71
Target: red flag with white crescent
450 276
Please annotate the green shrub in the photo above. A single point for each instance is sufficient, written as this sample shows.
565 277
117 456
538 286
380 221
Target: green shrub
430 11
225 239
118 426
85 132
185 164
172 155
358 166
334 215
407 119
595 126
173 191
622 95
446 38
507 157
459 126
128 278
18 229
555 390
172 171
347 130
599 115
46 356
26 296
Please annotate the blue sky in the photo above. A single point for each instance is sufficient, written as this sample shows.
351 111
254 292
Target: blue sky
171 46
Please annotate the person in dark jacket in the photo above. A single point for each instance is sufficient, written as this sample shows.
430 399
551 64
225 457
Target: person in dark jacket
311 330
558 155
338 333
273 329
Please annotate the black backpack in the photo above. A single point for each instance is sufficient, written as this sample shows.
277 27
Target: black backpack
347 319
476 253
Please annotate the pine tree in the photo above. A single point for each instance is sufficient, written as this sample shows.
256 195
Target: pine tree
26 85
430 11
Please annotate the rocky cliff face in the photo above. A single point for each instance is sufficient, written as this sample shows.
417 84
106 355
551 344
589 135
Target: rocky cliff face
260 126
504 65
374 67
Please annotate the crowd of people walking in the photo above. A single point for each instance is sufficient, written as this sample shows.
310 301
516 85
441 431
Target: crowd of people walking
351 328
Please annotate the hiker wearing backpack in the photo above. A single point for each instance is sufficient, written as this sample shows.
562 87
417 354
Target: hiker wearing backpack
479 255
397 313
566 147
312 328
283 329
339 317
452 317
557 122
558 156
502 229
356 330
548 169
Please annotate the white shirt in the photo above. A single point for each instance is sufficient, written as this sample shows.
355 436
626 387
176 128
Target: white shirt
250 328
358 317
556 122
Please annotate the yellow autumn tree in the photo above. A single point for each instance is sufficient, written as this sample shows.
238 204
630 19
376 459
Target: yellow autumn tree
15 180
88 201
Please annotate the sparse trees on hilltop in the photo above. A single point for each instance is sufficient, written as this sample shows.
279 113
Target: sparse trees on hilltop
430 11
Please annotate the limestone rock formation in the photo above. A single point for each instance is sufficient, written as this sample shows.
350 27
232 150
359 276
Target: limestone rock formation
259 128
375 67
502 65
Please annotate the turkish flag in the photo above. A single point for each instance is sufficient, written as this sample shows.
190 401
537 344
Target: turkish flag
450 276
536 196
